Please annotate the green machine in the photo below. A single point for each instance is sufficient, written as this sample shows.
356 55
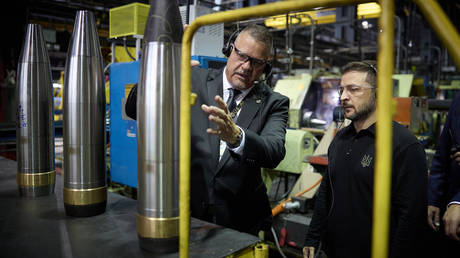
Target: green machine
295 88
404 84
299 144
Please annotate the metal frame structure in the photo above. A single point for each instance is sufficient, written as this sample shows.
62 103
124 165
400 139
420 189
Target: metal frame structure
385 60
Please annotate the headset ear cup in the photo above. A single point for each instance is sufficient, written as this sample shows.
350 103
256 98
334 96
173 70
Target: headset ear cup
228 50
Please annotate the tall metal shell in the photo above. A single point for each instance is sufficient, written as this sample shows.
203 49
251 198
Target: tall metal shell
158 129
34 131
85 190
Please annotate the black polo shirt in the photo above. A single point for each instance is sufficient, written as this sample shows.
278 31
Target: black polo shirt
351 172
351 158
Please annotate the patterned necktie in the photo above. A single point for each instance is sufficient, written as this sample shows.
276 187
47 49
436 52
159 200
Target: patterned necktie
231 102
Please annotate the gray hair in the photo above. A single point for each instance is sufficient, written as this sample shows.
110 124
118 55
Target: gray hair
261 34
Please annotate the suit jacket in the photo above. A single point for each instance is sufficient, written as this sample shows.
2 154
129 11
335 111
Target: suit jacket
444 180
234 184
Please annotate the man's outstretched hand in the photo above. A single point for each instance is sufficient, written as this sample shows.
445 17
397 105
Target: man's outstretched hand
226 128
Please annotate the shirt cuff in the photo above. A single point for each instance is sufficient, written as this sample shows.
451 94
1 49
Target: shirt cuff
454 202
239 150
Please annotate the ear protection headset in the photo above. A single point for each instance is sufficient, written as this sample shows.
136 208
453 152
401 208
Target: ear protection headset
228 47
374 69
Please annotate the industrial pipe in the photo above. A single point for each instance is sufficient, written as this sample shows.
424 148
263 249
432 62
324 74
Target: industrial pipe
34 130
186 98
398 43
312 41
438 69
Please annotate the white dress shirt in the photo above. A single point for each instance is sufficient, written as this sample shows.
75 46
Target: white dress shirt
226 86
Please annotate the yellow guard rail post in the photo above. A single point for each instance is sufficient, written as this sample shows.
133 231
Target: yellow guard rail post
186 96
384 132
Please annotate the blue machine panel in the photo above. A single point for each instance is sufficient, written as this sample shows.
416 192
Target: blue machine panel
123 131
210 62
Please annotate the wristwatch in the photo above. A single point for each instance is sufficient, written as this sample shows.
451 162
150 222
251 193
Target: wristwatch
239 137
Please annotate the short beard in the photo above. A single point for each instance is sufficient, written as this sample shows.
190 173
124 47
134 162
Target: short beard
366 111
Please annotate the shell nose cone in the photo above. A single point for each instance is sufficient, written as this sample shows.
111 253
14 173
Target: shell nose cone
34 48
85 40
164 23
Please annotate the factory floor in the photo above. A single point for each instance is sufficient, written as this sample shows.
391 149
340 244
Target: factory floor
40 228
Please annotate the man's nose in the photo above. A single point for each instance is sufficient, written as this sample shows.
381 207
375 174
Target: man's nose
344 95
247 65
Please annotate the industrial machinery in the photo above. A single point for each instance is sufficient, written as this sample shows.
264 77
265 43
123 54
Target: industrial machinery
208 40
319 104
123 130
312 100
295 88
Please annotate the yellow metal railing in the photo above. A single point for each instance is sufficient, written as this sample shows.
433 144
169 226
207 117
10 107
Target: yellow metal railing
438 21
384 132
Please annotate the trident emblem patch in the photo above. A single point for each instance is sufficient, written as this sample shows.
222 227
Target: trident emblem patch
366 161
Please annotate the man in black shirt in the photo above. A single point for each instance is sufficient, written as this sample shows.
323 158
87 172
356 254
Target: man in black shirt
342 218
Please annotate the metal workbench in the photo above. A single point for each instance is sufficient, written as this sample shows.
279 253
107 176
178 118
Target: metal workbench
40 228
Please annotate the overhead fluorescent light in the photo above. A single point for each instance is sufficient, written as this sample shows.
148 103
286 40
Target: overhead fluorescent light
368 10
301 18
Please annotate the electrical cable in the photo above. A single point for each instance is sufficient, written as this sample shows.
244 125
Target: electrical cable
280 207
126 48
277 244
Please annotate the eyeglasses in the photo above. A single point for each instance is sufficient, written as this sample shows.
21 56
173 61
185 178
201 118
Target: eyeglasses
243 58
354 89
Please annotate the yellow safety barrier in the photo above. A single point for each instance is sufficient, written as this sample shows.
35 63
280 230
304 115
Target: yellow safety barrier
384 132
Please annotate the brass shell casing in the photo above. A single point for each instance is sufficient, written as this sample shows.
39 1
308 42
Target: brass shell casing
157 227
35 179
85 196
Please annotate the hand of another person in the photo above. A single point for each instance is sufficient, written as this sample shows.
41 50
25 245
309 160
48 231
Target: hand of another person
433 217
226 128
456 157
308 252
452 221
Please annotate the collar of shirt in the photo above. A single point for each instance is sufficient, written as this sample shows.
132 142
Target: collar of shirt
350 130
226 85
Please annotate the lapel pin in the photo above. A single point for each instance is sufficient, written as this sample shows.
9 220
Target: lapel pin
258 101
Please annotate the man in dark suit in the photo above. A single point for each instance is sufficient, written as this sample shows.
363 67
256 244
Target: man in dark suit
229 147
444 184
